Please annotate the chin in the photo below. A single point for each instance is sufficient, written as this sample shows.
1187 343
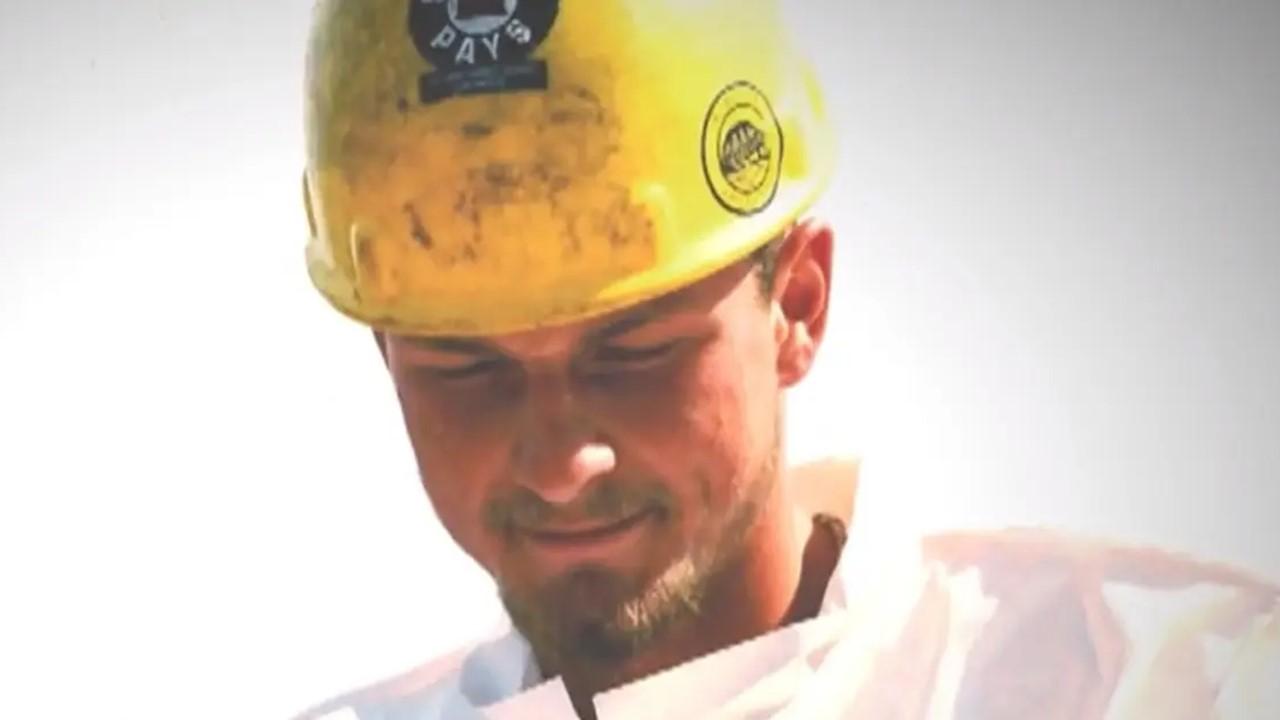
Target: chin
600 615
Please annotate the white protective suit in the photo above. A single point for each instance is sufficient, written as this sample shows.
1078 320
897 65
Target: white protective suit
1011 625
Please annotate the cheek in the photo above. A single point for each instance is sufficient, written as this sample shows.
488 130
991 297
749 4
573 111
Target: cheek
690 429
456 462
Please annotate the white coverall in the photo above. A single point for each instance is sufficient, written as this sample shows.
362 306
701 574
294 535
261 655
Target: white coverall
1010 625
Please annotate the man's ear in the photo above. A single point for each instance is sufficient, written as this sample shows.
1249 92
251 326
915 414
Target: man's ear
801 295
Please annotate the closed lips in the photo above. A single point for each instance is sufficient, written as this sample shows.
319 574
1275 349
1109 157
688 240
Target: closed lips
585 533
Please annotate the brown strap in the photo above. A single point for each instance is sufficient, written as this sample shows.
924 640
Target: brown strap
819 563
836 529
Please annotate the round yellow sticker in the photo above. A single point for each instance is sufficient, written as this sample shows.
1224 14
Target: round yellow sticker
742 149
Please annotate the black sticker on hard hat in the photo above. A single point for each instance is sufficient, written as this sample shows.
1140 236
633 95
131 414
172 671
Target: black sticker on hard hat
742 149
480 46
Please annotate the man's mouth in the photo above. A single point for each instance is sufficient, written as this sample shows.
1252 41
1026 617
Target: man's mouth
582 542
585 532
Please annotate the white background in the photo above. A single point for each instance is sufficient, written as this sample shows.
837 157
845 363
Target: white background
1057 304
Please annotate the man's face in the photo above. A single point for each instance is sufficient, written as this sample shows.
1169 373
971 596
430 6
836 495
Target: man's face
603 471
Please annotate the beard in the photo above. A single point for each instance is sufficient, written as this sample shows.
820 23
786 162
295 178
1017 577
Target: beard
594 618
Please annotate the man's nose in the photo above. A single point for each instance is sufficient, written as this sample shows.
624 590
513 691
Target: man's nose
559 450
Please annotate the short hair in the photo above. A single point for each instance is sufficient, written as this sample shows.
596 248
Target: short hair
765 259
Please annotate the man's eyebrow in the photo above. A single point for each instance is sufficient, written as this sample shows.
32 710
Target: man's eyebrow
646 313
631 319
452 345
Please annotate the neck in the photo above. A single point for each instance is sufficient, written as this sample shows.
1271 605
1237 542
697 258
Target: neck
755 593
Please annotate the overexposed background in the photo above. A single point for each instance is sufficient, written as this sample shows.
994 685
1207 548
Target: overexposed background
1057 304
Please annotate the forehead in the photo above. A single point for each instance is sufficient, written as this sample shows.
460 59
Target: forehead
701 298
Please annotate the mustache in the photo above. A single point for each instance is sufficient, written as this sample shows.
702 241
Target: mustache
610 500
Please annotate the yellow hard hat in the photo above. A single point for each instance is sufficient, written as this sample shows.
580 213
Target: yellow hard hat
477 167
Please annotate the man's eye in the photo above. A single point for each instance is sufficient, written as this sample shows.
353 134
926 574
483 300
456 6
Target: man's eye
623 355
464 372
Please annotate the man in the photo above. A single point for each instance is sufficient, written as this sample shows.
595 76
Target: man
577 230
